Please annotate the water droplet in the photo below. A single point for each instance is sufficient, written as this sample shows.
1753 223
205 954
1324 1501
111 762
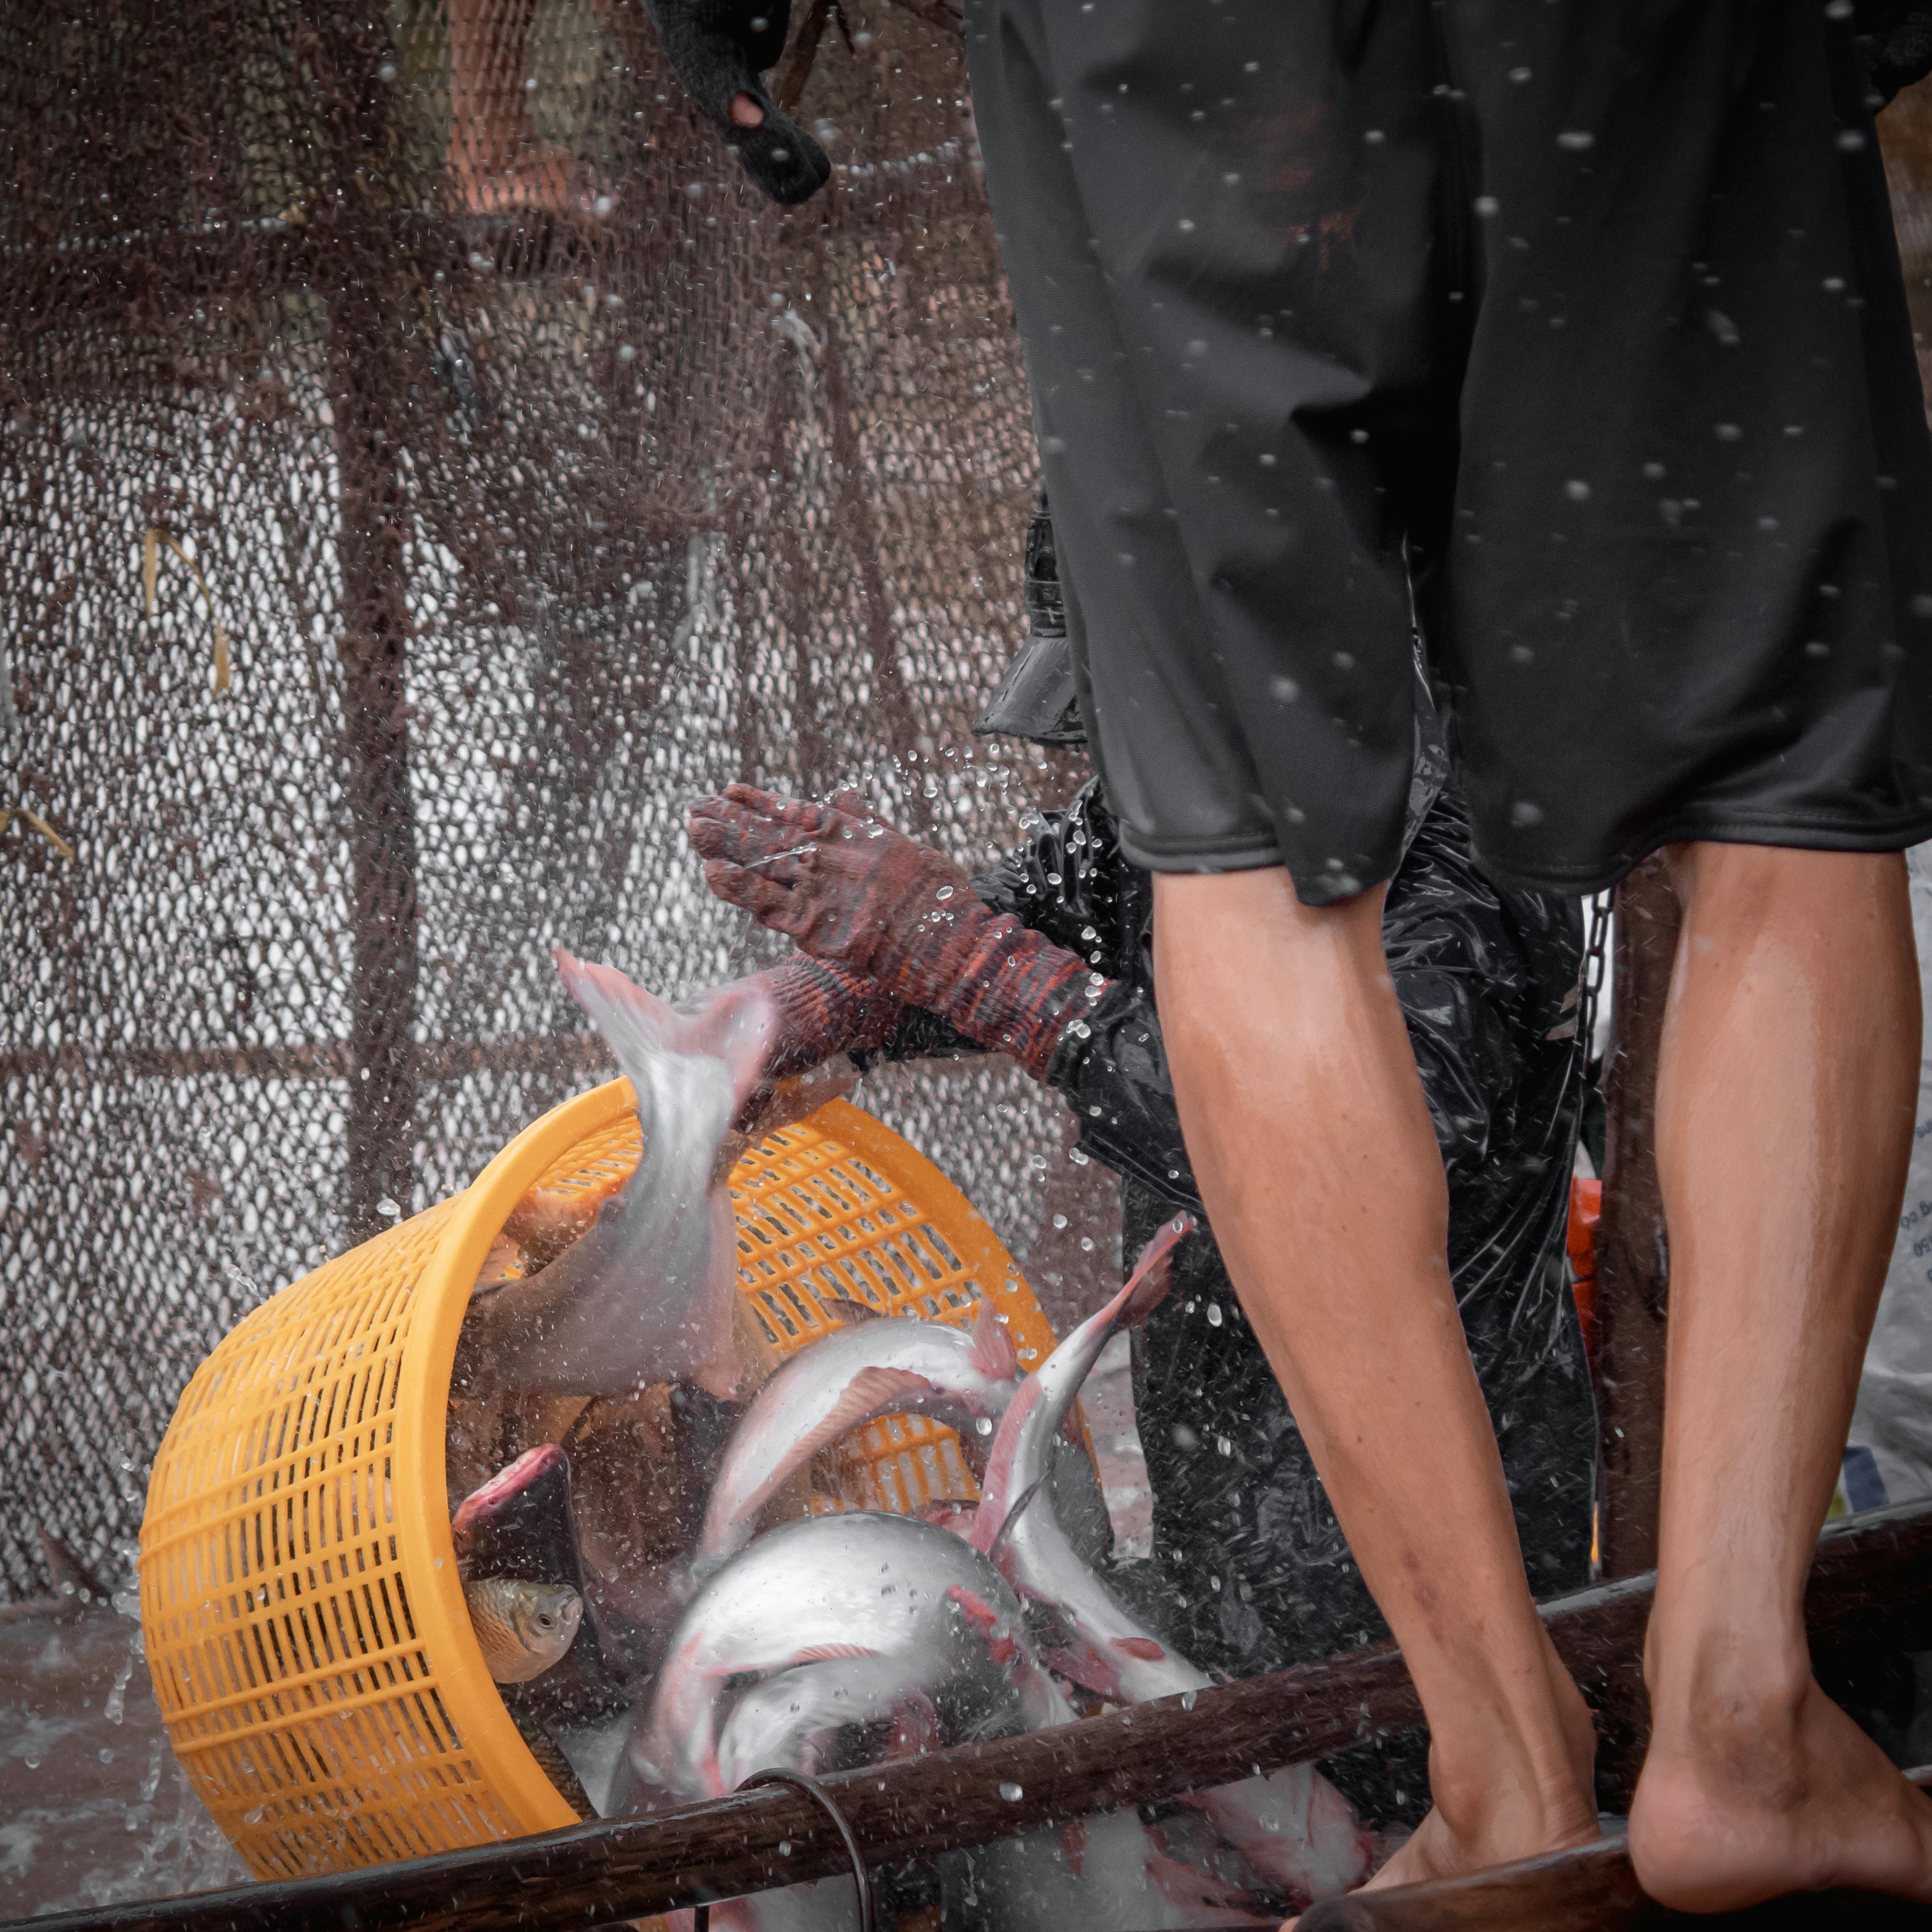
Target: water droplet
1013 1793
1213 1314
784 1848
945 892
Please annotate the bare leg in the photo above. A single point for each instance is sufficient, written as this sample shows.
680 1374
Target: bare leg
1785 1105
1312 1147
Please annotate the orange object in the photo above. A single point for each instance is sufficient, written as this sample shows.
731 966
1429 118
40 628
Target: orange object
300 1609
1586 1210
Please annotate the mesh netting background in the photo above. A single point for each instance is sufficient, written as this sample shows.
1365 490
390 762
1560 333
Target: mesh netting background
526 475
531 476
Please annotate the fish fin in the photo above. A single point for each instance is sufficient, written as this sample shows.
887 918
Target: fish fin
66 1570
1153 1274
1073 1844
915 1729
738 1026
1012 1518
872 1391
631 1019
993 1355
1081 1663
1145 1647
844 1308
1183 1885
824 1653
986 1620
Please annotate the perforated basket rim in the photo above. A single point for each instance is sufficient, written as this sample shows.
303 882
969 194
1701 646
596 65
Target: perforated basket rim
426 1552
423 1539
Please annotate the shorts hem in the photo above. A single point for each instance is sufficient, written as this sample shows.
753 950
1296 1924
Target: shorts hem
1226 854
1801 832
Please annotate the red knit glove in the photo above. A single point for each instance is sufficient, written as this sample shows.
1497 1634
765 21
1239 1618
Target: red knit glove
822 1010
850 889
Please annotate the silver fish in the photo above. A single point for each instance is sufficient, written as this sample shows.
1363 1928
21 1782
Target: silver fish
1092 1875
791 1721
852 1586
1294 1829
644 1295
854 1374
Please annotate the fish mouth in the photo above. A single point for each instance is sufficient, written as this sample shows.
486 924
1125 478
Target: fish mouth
504 1487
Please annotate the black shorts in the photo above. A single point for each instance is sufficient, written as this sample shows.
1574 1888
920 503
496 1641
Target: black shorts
1574 333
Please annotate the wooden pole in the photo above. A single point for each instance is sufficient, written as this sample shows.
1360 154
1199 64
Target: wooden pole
1633 1269
1590 1889
1633 1263
368 384
1871 1581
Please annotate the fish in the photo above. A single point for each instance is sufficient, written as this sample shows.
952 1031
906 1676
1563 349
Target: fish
550 1757
523 1522
522 1627
645 1293
1117 1656
790 1722
1294 1829
855 1586
1090 1875
851 1376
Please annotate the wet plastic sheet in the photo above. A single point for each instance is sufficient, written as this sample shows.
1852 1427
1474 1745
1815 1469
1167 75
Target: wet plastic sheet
1250 1571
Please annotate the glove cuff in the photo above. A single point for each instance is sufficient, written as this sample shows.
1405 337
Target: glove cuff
823 1008
1009 989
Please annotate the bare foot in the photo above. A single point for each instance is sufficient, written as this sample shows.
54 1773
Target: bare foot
1740 1802
1503 1813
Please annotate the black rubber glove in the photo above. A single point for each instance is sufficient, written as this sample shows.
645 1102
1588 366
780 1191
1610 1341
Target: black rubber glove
718 49
1895 39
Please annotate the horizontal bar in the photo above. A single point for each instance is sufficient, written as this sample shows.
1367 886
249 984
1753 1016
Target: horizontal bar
1871 1577
1591 1889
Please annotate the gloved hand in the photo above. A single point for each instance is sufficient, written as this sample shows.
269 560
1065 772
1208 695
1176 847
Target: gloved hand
718 49
823 1009
850 889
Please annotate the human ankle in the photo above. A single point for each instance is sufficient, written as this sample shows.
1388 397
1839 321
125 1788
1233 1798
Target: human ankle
1730 1687
1519 1791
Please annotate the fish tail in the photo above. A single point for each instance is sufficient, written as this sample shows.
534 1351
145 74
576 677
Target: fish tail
1153 1274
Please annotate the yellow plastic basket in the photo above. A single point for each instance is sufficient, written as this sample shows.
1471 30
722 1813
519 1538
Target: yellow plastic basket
303 1618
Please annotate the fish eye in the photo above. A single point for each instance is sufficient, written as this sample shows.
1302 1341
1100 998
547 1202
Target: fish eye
545 1620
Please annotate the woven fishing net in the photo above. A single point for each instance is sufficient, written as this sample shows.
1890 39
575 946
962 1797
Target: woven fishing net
423 468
